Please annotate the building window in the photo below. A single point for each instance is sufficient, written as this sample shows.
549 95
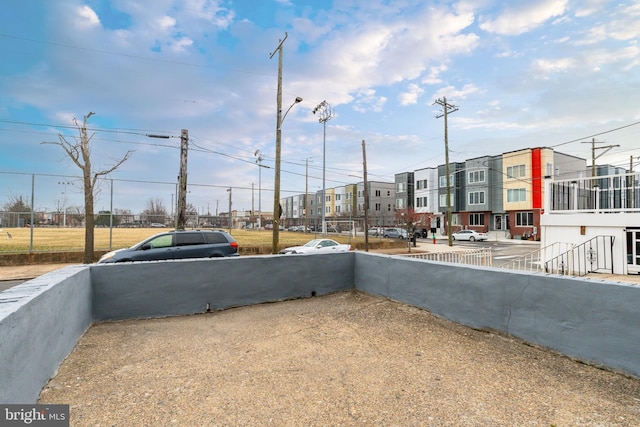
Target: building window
476 176
476 219
443 200
399 203
327 209
388 193
377 193
421 202
389 207
516 171
337 209
455 219
338 197
476 198
517 195
378 207
443 181
327 198
524 219
400 187
421 184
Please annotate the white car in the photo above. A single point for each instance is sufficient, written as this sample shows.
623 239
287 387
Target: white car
469 235
317 246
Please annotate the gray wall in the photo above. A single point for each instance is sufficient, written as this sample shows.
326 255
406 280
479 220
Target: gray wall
591 320
156 289
40 322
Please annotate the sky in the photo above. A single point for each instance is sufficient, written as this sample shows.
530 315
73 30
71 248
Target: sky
522 74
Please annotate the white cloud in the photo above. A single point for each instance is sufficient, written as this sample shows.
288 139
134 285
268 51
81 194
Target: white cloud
543 67
411 95
455 95
519 20
88 17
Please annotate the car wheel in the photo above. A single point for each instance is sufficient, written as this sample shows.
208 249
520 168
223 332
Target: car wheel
472 239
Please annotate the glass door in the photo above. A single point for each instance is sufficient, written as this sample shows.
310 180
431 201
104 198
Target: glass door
633 251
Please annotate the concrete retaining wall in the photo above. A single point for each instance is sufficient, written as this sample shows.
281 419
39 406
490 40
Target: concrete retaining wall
157 289
41 320
40 323
594 321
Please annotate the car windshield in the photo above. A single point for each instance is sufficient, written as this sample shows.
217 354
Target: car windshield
312 243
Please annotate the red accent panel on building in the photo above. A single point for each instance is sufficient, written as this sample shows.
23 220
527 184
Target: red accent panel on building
536 177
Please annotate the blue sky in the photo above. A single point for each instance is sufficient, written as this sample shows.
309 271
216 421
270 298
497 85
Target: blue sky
522 73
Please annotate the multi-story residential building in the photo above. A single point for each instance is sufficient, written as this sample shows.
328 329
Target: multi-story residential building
456 187
523 184
426 197
404 190
478 194
339 203
381 203
351 200
489 193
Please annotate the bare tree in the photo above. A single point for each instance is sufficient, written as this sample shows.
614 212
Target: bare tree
19 206
155 211
79 150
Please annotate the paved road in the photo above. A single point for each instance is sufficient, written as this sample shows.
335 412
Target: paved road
502 252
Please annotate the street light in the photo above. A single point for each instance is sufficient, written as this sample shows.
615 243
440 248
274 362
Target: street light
324 113
64 202
276 187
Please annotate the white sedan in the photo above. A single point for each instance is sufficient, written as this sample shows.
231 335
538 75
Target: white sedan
317 246
469 235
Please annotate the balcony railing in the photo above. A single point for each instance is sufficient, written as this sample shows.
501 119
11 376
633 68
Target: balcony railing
600 194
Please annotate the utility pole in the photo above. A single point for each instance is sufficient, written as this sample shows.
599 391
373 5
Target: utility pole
632 182
593 143
230 215
182 180
252 205
258 153
276 189
447 109
306 196
366 197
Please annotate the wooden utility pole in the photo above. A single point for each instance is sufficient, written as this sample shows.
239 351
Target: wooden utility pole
447 109
593 143
276 189
182 180
366 197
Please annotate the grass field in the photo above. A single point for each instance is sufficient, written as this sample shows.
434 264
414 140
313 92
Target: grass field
45 239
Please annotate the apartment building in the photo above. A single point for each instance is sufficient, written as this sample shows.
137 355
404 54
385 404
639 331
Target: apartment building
381 203
404 190
504 193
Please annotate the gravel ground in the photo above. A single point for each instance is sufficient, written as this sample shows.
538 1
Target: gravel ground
342 359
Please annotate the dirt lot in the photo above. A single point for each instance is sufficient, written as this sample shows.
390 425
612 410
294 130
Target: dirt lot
342 359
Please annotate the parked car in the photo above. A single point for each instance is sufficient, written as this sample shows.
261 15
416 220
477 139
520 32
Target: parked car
177 245
317 246
395 233
375 231
469 235
421 233
157 225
